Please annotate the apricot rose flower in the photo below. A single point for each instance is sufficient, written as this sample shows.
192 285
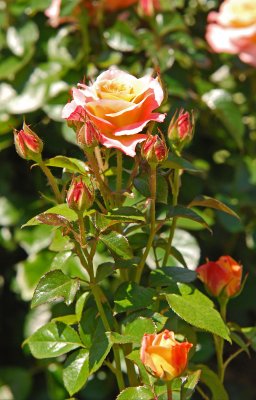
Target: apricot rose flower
119 105
233 29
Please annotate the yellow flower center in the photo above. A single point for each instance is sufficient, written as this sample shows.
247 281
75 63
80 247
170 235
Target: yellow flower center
240 13
115 89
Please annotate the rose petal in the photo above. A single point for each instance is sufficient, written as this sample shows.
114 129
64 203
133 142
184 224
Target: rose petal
126 144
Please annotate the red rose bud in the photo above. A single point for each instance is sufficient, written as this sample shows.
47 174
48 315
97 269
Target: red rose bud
181 128
154 150
79 196
163 356
222 277
28 144
88 135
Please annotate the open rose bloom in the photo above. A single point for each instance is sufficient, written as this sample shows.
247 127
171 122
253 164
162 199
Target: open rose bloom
119 105
221 277
233 29
163 356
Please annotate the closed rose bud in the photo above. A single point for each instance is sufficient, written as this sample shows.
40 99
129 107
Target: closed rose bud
28 144
79 196
154 150
221 278
148 7
181 129
163 356
88 135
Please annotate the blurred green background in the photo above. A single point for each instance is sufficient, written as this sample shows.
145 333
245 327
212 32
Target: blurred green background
38 65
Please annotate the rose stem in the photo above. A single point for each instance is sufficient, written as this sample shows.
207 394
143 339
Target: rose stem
86 260
51 181
119 167
169 390
152 222
175 194
219 342
105 191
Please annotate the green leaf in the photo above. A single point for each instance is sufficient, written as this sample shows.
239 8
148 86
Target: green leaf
135 393
80 305
55 285
36 239
121 37
30 271
188 387
222 104
61 210
53 340
250 334
126 214
72 164
76 371
138 327
83 363
198 310
170 275
205 201
131 297
184 212
176 162
104 270
70 319
210 379
141 183
117 243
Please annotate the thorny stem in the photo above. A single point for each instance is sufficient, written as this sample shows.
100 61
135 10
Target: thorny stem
175 194
51 181
105 191
88 265
152 223
169 390
219 342
119 167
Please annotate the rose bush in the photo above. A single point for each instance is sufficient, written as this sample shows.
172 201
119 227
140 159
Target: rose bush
233 29
163 356
119 105
224 275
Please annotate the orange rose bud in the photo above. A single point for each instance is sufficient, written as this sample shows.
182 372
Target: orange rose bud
163 356
88 135
154 150
28 145
79 196
222 277
181 128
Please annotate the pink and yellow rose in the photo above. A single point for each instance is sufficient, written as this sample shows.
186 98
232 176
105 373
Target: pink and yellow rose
233 29
163 356
119 105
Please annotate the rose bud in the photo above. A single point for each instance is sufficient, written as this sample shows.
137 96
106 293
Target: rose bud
88 135
79 196
163 356
28 144
154 150
181 128
222 277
